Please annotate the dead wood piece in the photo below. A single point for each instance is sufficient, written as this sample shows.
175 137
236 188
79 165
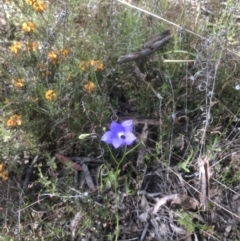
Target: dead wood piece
69 162
74 225
88 177
156 38
184 201
154 45
144 232
204 175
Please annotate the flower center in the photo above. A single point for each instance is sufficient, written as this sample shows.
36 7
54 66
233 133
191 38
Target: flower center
121 135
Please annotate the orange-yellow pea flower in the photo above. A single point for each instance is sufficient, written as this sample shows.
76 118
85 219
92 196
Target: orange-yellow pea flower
18 83
28 27
64 52
83 65
89 87
97 65
39 6
3 173
50 95
52 56
15 47
31 46
30 2
14 120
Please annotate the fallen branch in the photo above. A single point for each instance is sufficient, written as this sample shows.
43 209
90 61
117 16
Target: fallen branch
69 162
183 200
149 47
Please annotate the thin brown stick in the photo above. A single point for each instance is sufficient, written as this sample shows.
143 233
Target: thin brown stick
143 78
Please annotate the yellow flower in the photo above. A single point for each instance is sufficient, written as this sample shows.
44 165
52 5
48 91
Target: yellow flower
15 47
64 52
28 27
14 120
3 173
30 2
18 83
52 56
31 46
39 6
97 65
83 65
89 87
50 95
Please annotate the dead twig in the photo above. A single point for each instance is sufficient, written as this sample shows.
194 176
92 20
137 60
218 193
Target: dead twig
204 175
143 78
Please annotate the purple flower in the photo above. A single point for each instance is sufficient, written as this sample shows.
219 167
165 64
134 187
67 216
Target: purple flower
120 134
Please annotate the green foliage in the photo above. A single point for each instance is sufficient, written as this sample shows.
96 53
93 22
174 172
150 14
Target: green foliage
185 219
62 80
231 174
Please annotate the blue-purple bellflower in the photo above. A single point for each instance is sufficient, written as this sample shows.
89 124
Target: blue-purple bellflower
120 134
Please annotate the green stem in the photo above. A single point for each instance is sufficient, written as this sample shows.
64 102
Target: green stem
116 187
112 155
126 153
117 217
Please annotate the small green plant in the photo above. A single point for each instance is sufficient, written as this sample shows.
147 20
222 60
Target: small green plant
185 219
184 164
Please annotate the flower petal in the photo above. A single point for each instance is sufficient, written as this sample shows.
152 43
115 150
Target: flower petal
116 128
107 137
129 138
117 142
127 125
